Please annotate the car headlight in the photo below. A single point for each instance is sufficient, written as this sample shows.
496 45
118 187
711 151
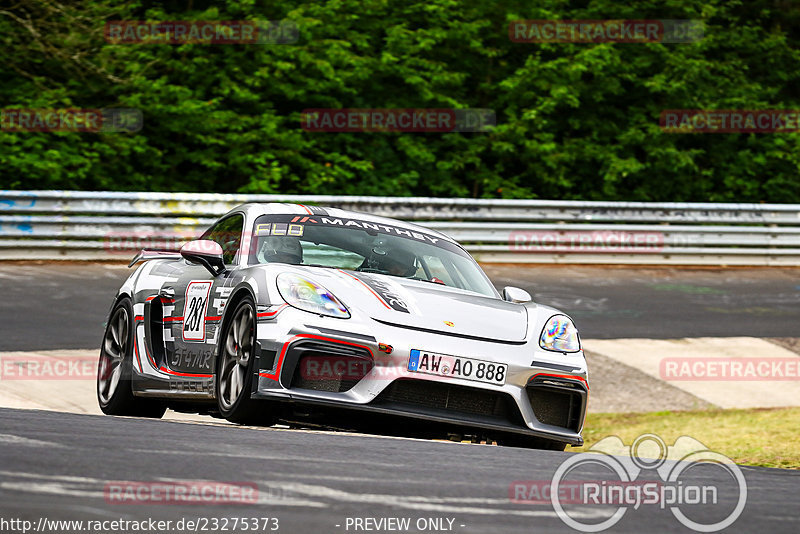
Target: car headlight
560 335
308 296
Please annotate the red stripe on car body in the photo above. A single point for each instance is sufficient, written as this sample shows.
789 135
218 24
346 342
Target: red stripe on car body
136 350
277 372
562 376
369 288
272 313
176 373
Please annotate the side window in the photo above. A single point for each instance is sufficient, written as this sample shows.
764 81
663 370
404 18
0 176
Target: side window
228 233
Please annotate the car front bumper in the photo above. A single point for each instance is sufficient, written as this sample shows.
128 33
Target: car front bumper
544 394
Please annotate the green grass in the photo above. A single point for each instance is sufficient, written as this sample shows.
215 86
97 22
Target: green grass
767 437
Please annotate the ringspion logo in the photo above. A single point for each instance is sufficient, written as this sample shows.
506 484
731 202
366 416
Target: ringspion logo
704 490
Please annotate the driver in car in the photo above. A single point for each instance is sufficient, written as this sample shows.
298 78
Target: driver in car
275 249
397 261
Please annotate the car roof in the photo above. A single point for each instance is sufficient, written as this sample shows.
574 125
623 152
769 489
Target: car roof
256 209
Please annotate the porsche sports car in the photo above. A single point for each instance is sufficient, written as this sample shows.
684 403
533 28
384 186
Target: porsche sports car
320 316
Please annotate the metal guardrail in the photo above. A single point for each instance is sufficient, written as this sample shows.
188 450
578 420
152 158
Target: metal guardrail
108 226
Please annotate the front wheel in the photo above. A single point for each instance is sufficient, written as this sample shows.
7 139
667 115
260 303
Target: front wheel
234 384
114 371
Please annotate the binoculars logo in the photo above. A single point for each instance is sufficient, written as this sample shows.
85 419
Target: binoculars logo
648 472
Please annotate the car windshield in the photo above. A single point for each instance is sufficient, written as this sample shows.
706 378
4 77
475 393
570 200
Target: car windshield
357 245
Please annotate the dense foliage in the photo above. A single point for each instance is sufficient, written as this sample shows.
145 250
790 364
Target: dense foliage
575 121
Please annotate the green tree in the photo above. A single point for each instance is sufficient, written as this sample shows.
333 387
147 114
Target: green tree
575 121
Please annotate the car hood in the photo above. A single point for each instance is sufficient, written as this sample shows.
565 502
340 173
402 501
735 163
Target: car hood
426 306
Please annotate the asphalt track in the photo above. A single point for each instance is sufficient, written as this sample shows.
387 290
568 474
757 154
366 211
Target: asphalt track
64 305
56 466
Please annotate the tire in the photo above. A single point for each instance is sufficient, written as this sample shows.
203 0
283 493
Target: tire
528 442
235 369
115 369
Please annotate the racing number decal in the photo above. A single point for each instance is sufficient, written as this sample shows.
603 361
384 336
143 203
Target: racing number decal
193 319
194 311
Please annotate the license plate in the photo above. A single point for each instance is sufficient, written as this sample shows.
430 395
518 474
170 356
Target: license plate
432 363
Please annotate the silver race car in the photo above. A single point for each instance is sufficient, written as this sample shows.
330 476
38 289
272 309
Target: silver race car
319 316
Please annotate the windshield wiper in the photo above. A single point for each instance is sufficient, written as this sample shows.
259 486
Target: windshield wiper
371 270
387 273
429 281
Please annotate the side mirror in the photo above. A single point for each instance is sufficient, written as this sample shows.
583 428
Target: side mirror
516 295
205 252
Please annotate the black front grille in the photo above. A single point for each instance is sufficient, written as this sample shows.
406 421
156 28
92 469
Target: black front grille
557 407
327 366
441 396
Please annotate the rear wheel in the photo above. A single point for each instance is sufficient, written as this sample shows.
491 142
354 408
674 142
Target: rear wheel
115 369
235 368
